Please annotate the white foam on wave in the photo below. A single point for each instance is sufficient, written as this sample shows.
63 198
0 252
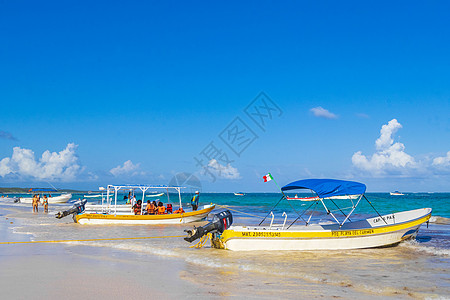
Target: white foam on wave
415 245
16 230
440 220
207 262
127 247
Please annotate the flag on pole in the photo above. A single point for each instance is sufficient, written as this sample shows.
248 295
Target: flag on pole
267 177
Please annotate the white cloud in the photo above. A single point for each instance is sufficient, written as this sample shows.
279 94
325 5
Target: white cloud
61 165
127 168
443 161
227 172
389 157
7 136
362 115
321 112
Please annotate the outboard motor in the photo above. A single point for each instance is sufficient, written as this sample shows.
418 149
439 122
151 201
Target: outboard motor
77 208
219 223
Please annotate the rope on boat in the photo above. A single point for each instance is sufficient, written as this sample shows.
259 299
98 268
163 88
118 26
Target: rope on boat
241 212
94 240
202 241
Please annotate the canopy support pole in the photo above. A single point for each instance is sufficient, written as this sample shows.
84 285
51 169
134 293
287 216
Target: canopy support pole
271 210
340 225
302 214
340 209
329 212
309 219
143 189
375 210
116 189
179 197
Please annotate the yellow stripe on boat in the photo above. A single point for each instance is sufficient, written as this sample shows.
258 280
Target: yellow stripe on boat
137 218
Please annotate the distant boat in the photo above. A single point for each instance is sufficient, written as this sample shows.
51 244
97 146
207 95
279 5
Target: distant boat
155 195
239 194
63 198
397 193
302 198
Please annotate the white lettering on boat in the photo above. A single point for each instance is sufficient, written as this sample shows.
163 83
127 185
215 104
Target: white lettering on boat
390 217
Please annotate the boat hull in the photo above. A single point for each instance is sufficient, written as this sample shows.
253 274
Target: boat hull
374 235
131 219
98 208
57 199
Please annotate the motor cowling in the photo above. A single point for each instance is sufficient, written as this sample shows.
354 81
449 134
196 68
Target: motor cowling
219 223
77 208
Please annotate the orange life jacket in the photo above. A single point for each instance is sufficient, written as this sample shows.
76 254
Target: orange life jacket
150 208
179 211
161 210
137 209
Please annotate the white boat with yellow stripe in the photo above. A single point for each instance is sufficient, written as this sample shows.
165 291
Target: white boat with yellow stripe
343 231
63 198
109 212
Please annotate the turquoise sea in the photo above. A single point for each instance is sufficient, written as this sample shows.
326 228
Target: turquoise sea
414 269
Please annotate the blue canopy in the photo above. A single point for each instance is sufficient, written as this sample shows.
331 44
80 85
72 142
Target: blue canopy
325 188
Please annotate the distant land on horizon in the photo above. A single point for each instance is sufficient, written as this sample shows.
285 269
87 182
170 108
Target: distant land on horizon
17 190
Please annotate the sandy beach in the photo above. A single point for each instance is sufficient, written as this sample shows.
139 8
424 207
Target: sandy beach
51 271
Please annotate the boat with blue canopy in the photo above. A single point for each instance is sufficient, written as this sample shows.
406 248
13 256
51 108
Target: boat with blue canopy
337 228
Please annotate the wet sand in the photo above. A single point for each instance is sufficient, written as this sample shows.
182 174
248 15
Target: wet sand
55 271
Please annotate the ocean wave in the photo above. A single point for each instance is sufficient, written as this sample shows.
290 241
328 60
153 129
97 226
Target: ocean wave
208 262
440 220
129 247
415 245
16 230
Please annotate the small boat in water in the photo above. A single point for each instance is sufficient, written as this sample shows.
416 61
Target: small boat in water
110 212
155 195
341 232
239 194
63 198
396 193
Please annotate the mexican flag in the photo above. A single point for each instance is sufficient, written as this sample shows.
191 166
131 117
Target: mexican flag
267 177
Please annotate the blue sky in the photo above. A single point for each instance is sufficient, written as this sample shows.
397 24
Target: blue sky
114 92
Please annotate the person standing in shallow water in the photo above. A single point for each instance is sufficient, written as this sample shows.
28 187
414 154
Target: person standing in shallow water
194 201
45 204
35 203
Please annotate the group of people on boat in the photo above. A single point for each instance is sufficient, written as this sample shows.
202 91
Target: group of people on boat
37 200
153 208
